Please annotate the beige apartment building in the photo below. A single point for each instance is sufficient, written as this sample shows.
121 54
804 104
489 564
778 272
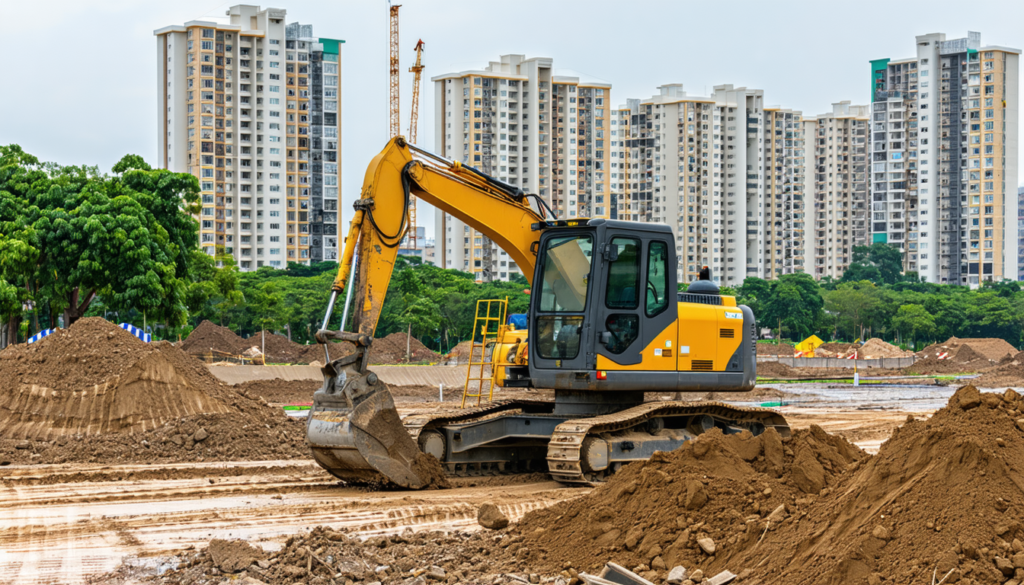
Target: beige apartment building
518 121
836 175
252 107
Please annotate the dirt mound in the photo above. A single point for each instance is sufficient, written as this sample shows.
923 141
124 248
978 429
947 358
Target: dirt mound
96 378
719 487
783 349
281 350
391 350
993 349
773 369
209 336
932 365
876 348
1005 375
95 393
834 350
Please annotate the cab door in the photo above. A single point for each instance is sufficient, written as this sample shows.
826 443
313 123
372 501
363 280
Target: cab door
560 333
635 308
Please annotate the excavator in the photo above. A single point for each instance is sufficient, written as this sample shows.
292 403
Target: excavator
606 325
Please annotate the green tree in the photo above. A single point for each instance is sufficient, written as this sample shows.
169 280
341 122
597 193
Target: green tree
880 263
914 320
851 303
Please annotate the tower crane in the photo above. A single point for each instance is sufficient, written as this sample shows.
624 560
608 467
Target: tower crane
394 124
414 122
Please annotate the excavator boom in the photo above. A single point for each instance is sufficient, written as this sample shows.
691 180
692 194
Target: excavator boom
353 428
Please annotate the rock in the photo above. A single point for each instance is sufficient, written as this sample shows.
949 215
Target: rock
1004 566
677 575
534 578
698 575
969 397
654 552
436 573
200 435
708 546
489 516
778 514
1018 560
696 496
1020 423
23 445
658 564
881 533
232 556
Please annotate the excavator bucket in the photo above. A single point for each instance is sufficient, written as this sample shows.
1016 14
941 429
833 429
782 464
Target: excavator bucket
357 435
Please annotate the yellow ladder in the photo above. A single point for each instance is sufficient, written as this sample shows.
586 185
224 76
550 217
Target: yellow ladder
488 324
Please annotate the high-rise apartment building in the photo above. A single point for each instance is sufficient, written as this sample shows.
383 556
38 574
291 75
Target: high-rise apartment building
835 169
723 171
252 108
944 159
519 122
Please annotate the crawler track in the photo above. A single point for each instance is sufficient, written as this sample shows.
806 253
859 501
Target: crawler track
564 462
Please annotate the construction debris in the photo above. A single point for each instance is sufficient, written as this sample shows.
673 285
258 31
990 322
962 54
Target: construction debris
489 516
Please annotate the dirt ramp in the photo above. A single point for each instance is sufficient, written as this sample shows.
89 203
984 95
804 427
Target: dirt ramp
96 378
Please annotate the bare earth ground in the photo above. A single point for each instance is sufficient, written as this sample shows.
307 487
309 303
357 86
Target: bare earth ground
64 523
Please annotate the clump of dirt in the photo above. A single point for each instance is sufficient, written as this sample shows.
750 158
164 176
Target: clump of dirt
391 350
324 555
210 336
232 556
783 349
653 515
773 369
96 378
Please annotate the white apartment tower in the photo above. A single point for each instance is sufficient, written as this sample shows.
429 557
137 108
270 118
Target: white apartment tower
944 127
252 108
835 170
723 171
519 122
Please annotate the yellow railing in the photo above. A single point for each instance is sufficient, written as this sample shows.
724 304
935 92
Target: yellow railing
488 325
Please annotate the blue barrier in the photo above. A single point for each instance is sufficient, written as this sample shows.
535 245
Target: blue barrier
136 332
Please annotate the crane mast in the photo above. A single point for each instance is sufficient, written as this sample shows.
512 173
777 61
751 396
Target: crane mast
411 242
394 124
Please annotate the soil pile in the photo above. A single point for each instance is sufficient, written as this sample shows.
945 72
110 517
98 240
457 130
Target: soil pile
933 365
281 350
876 348
989 348
209 336
95 393
783 349
391 350
945 495
834 350
720 487
775 369
1006 374
96 378
327 556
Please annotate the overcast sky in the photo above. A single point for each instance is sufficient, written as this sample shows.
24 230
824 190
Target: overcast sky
78 77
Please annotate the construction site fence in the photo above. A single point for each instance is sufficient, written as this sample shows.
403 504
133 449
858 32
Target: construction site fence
823 362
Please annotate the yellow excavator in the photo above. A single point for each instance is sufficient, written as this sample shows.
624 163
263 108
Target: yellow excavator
605 323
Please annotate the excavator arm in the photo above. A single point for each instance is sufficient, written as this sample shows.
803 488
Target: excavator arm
354 428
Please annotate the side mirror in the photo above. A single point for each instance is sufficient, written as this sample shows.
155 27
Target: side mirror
606 337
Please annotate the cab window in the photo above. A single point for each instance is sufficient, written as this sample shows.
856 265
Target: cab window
623 289
657 278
